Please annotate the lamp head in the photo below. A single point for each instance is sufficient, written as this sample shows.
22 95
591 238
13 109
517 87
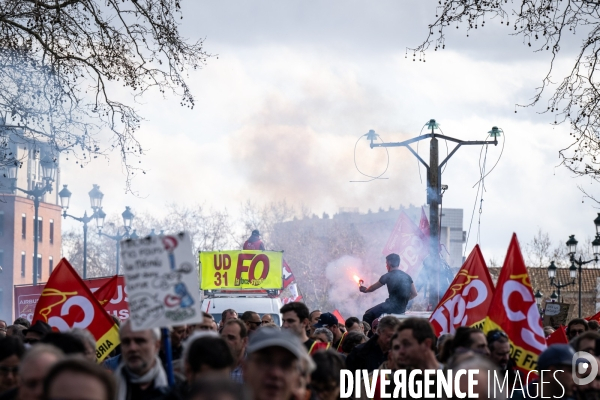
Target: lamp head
99 215
552 270
96 197
572 245
65 197
127 218
48 168
573 271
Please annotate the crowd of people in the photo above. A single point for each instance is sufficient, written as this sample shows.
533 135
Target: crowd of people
248 356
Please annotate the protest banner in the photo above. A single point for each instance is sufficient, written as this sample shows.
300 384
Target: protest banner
468 299
245 269
408 241
27 296
66 303
162 281
514 310
556 313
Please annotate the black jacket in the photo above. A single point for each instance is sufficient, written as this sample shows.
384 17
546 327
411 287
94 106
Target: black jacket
366 356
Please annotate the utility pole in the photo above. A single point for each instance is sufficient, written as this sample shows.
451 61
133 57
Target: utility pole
434 187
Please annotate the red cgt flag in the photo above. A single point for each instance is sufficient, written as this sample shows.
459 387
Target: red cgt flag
410 243
515 311
468 299
66 302
106 291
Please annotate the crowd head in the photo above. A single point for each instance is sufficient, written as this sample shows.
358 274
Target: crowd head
250 357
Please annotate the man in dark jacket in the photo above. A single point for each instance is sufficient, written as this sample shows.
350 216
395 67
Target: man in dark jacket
373 353
254 242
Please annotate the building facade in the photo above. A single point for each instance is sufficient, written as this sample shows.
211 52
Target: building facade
17 221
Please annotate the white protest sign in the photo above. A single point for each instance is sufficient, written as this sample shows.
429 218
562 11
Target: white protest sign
161 277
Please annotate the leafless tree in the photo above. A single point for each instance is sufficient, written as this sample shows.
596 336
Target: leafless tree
209 230
544 26
63 64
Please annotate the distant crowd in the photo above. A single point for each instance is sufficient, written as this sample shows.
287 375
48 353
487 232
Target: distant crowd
248 356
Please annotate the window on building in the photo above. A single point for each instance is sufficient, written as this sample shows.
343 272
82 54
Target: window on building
51 235
22 264
23 226
50 265
40 230
38 266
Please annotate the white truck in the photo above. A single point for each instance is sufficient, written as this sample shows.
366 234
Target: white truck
216 303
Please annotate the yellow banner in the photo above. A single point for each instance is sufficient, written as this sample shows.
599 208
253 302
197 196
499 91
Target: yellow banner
524 359
107 343
247 269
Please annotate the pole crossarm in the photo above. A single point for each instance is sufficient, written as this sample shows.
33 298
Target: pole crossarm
407 143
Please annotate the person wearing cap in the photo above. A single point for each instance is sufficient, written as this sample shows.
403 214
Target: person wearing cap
330 321
400 289
558 382
273 366
254 242
36 332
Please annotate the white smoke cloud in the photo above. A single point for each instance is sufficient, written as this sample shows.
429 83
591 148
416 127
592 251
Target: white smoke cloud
343 289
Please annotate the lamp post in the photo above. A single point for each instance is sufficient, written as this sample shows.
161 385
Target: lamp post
48 173
127 219
538 299
554 281
96 202
572 246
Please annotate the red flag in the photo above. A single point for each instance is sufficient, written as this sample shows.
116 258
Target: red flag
424 223
558 336
595 317
514 310
408 241
66 302
339 317
106 291
468 299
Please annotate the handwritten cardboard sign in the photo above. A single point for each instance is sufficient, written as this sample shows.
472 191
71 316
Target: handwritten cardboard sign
161 277
556 314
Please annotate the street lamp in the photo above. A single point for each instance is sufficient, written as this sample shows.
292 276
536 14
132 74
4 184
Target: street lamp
554 281
538 299
572 250
48 172
553 296
127 216
96 202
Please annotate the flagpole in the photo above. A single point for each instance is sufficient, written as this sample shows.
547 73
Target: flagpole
166 336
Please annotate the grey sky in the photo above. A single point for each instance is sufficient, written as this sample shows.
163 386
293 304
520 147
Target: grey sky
296 83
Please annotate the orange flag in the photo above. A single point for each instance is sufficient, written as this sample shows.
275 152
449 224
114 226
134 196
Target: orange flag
106 291
468 299
66 302
515 311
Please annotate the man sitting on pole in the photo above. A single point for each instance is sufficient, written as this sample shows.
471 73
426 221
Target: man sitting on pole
400 288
